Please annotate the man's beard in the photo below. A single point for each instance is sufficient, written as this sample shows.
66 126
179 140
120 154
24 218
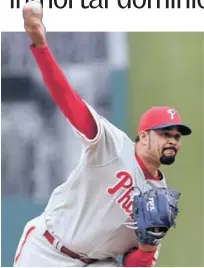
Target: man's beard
168 159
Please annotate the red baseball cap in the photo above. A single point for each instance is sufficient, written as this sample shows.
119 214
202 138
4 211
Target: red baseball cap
162 117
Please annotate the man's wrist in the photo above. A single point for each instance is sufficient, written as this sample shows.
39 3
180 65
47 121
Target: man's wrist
38 45
148 248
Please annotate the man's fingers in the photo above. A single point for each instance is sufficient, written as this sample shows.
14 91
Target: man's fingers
33 10
33 26
32 14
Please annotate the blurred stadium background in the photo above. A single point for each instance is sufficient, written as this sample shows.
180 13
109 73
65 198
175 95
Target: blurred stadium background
120 75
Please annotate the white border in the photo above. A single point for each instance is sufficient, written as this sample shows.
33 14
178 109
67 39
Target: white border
0 169
111 19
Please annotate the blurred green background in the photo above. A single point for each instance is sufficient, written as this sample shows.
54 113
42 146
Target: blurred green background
167 69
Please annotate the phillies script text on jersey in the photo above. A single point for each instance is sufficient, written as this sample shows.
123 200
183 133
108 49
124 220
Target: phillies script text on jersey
125 183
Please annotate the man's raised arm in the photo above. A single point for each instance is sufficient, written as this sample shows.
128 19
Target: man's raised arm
71 104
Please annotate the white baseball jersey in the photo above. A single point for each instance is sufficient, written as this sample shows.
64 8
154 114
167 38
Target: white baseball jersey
88 212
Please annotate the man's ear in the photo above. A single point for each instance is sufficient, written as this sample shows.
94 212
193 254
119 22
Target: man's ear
144 137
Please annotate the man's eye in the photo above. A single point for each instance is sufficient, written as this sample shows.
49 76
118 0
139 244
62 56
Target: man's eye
166 134
177 137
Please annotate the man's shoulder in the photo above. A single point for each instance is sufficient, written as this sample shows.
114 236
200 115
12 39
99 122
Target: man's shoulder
111 127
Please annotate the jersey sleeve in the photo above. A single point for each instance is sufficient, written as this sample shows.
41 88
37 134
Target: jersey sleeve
106 145
85 140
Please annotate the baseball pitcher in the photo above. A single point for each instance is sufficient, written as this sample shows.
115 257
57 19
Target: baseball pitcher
116 201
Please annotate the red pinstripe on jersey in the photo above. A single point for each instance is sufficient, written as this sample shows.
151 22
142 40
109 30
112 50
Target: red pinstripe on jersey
24 241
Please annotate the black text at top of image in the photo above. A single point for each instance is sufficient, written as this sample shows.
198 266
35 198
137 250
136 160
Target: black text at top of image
122 4
61 4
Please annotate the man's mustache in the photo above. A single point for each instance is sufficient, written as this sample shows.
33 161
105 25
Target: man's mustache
170 148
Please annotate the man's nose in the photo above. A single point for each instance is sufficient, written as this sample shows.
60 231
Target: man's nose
172 141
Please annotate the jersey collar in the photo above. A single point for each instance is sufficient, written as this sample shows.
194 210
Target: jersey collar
147 175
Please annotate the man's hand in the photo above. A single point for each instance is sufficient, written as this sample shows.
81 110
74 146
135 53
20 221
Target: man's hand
32 14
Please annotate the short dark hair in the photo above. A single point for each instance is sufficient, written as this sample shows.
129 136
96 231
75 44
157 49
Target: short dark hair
137 139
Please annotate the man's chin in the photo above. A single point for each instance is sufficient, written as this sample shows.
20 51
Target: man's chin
167 160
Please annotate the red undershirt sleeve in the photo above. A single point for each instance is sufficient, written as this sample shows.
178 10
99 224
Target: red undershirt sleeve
68 100
139 258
